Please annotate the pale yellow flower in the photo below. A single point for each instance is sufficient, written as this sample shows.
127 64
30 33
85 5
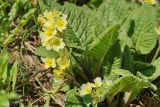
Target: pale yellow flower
97 82
150 1
106 84
85 89
48 14
48 62
49 24
41 19
63 61
56 13
58 71
100 92
54 43
61 23
48 34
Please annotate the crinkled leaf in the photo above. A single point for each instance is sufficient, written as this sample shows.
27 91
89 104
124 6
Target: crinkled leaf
103 43
144 37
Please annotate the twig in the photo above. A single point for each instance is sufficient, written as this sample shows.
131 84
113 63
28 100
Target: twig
45 90
38 99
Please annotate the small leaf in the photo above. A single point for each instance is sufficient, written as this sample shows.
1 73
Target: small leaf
87 99
73 99
43 52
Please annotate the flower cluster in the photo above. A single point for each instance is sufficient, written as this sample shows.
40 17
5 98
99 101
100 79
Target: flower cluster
150 1
53 24
95 89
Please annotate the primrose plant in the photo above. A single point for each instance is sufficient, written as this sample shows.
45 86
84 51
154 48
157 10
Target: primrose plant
97 56
53 23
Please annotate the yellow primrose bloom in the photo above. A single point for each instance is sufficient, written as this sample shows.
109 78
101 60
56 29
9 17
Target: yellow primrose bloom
48 14
46 35
61 23
63 61
106 84
56 13
97 82
54 43
41 19
48 62
85 89
150 1
58 71
49 24
100 92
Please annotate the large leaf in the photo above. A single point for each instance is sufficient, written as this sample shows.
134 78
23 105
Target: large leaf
112 60
112 11
103 43
144 37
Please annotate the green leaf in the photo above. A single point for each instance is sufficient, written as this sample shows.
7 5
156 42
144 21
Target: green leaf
5 97
13 12
150 72
102 44
112 12
121 72
113 59
4 60
43 52
14 72
128 83
87 99
127 60
144 37
73 99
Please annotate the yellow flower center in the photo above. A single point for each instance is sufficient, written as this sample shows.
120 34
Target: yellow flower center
55 42
60 23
